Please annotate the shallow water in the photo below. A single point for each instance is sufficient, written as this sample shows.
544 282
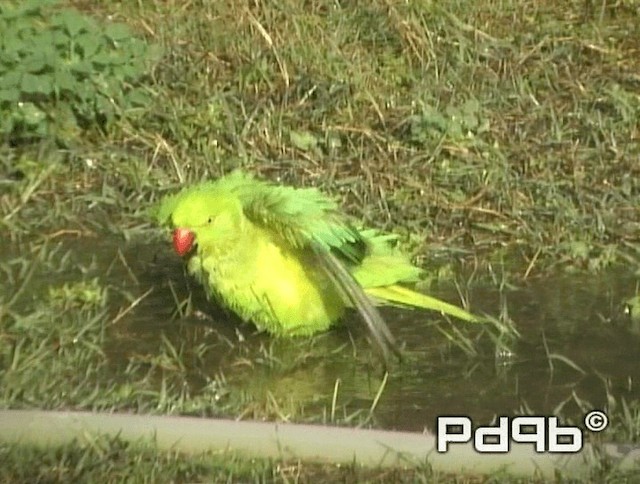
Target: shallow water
577 317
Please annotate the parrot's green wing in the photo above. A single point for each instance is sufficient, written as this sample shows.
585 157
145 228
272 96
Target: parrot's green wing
304 218
307 219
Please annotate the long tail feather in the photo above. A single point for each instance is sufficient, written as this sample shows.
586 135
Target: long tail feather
402 295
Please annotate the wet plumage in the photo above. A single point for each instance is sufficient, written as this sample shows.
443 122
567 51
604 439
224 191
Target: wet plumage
288 259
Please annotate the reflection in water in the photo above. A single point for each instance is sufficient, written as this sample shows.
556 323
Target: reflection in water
575 344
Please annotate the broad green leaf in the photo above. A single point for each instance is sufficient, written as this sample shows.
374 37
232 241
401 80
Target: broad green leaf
13 44
32 84
89 43
81 67
43 46
9 95
73 22
10 80
27 9
60 38
35 63
117 32
63 80
102 58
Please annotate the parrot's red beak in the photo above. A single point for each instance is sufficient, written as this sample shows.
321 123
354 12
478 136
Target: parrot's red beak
183 241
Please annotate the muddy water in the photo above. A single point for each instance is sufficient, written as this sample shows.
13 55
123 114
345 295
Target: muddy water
561 319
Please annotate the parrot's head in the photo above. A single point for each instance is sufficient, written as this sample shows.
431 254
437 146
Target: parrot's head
201 215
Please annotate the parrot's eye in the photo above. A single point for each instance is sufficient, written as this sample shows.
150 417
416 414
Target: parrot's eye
209 220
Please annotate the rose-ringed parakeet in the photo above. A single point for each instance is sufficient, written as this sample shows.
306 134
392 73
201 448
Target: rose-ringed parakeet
288 260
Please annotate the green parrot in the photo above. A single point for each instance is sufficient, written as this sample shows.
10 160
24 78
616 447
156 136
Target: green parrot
288 260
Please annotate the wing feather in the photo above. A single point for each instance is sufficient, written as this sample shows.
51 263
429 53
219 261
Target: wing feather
303 217
352 292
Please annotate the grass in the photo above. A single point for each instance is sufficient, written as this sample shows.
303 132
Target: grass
111 460
462 130
500 139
